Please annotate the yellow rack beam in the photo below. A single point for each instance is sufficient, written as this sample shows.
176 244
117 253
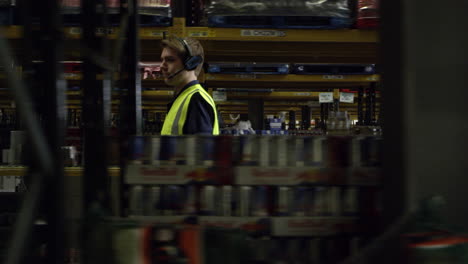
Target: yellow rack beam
263 77
237 34
69 171
290 78
273 95
158 94
288 35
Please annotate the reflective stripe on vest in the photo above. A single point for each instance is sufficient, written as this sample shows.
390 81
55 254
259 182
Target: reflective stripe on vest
175 119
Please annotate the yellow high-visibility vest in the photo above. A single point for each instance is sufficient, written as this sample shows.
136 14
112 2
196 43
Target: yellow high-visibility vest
175 119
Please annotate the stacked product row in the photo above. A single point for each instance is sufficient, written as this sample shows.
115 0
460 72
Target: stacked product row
152 70
304 250
9 183
258 150
309 196
255 201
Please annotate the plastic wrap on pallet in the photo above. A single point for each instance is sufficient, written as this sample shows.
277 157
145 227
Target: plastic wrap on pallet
8 12
77 3
328 8
240 128
154 3
150 70
146 7
368 14
112 3
5 3
8 15
236 132
72 66
155 7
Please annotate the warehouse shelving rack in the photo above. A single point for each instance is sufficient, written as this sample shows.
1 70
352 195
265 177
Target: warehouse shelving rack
44 175
221 44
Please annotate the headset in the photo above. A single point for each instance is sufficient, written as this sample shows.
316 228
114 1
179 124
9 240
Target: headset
190 62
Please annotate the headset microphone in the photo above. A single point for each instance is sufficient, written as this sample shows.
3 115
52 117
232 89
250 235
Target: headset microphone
174 74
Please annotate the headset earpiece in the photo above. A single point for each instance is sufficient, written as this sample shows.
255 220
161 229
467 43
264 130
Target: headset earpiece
191 62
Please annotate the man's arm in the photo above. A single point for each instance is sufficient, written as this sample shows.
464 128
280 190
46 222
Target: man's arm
200 117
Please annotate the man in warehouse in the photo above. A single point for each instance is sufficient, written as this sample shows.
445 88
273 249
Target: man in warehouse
193 110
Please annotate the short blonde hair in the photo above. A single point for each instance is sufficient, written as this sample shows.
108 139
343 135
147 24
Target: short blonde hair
176 44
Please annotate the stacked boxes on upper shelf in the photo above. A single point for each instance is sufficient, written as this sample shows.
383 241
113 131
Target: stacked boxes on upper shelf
152 12
8 12
248 68
296 68
327 14
279 14
333 68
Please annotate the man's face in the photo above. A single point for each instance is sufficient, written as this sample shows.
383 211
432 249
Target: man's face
171 64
